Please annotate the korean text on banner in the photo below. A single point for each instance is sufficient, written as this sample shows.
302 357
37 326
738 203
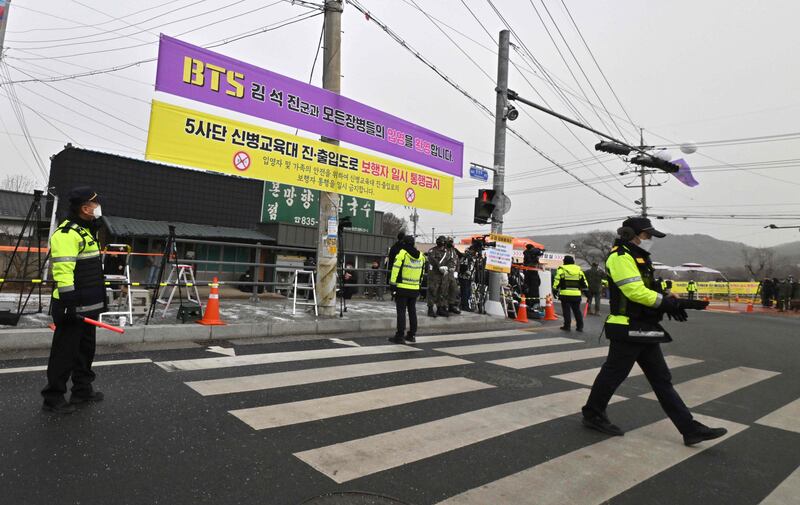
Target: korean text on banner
498 258
196 139
199 74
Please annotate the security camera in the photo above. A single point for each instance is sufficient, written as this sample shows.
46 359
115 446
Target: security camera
511 112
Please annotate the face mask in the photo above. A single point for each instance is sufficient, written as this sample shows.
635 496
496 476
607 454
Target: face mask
97 212
646 244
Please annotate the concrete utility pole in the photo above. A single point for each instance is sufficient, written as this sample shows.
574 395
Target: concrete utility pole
493 305
327 246
5 6
644 184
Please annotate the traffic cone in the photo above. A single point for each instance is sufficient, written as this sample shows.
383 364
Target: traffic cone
211 314
522 311
549 311
749 307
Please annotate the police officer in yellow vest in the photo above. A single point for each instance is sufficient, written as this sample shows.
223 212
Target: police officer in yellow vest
405 277
637 306
569 283
691 289
79 291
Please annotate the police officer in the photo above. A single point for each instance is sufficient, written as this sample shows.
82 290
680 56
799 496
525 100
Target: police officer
406 276
451 279
79 291
635 334
437 294
569 282
691 289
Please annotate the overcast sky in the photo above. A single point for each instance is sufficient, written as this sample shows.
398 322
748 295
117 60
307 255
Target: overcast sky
683 70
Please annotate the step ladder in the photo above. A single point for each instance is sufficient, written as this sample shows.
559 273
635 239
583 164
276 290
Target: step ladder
117 278
304 288
183 275
509 304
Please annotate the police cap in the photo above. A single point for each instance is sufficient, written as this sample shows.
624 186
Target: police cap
82 194
640 224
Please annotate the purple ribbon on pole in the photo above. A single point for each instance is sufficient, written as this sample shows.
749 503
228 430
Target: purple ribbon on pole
684 174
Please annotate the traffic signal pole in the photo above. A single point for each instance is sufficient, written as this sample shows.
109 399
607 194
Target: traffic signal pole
493 305
328 242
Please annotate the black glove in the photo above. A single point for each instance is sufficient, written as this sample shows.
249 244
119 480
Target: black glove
672 308
693 304
70 302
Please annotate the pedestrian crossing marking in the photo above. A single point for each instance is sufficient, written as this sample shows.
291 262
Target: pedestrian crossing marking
596 473
710 387
586 377
473 336
464 350
785 418
279 357
350 460
551 358
272 416
787 491
316 375
39 368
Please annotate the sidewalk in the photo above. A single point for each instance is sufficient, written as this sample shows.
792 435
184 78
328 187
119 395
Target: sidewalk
269 317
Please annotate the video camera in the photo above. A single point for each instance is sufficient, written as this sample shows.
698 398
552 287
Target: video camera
480 243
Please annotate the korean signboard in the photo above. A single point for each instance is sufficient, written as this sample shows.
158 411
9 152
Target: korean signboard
285 203
199 74
3 19
498 258
196 139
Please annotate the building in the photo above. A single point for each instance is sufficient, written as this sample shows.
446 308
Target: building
220 213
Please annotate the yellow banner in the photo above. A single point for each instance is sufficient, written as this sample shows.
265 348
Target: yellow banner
196 139
718 288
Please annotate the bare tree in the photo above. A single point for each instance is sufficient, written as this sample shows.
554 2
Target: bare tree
759 262
19 183
592 247
392 225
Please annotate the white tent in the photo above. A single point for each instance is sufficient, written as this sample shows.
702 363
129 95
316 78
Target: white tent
695 267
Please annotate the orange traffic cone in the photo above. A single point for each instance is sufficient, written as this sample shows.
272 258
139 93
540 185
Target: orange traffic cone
749 307
211 315
549 311
522 311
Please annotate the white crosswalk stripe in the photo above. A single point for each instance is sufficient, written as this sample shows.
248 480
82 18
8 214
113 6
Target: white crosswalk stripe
465 350
537 360
315 375
356 458
787 492
284 414
710 387
279 357
586 377
785 418
473 336
596 473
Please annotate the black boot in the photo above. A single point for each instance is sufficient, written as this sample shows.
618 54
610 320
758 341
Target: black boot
602 424
431 313
443 312
410 338
94 396
59 406
700 433
397 340
454 309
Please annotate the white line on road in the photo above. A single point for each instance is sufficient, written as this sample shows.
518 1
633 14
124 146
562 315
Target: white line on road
710 387
473 336
551 358
785 418
596 473
586 377
315 375
279 357
96 363
464 350
787 491
365 456
284 414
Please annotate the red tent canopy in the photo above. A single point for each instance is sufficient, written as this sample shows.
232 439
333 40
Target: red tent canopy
519 243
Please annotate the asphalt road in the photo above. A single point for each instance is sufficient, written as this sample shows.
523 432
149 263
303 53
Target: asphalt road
460 424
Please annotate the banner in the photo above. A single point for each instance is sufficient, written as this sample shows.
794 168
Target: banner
196 139
498 258
199 74
684 173
284 203
717 288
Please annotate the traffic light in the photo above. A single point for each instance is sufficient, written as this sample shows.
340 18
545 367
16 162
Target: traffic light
484 206
646 160
613 148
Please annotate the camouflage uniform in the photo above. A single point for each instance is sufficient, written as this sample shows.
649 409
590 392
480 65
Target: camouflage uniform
437 293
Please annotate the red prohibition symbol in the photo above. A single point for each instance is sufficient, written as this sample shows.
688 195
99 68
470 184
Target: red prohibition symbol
410 195
241 161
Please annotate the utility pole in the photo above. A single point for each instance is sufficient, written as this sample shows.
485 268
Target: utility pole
5 6
328 243
493 305
414 220
644 185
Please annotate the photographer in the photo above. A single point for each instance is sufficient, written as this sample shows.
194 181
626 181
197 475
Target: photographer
637 306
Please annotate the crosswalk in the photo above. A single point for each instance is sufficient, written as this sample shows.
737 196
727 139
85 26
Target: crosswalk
460 371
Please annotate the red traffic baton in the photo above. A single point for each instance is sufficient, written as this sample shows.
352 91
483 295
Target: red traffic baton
115 329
